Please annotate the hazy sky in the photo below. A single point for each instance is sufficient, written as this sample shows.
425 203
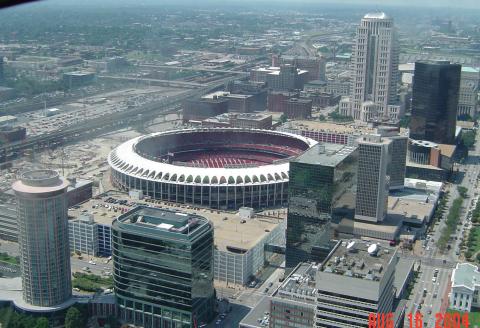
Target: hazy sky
376 3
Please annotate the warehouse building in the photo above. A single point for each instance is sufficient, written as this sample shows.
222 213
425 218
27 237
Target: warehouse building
240 240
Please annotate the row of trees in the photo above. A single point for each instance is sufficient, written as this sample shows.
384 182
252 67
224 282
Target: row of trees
451 223
75 317
12 319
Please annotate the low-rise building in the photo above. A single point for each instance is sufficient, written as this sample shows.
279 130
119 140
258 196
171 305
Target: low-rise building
240 243
315 66
240 120
77 79
203 108
429 160
8 222
465 286
298 108
7 120
239 103
83 235
283 78
293 303
321 99
79 191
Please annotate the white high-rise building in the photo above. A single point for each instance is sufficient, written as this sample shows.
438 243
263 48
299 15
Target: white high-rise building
374 70
372 179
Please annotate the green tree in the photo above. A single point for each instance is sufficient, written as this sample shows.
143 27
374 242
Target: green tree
468 139
322 117
283 118
405 122
74 318
42 322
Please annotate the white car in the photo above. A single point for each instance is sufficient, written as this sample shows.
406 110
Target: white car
434 279
91 262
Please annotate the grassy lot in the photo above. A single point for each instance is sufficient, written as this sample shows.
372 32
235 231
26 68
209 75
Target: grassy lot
91 282
473 318
4 257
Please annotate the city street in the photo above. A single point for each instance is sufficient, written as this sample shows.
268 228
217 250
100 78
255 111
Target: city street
431 258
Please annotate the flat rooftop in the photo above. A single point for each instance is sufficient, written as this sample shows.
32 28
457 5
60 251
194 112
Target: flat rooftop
326 154
226 117
254 318
229 230
359 259
469 69
300 284
7 118
330 127
410 208
466 275
153 220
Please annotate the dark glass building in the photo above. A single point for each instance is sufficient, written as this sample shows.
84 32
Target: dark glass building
322 187
163 268
435 100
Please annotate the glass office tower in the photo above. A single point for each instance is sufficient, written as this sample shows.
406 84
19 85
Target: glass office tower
434 101
321 187
163 268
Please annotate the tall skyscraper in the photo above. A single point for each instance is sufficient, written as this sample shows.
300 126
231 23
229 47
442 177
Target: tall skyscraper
43 237
398 155
434 101
163 268
372 178
374 69
321 186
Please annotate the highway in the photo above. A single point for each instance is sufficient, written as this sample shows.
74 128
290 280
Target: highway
89 128
194 68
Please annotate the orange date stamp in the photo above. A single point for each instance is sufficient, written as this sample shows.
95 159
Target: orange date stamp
416 320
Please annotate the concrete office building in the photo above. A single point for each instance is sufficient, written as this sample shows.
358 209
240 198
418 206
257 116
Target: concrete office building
241 243
355 280
203 108
283 78
374 69
372 180
257 91
8 222
298 108
315 66
276 100
83 235
435 100
468 93
239 103
321 185
43 237
293 304
163 268
337 87
465 287
398 155
239 120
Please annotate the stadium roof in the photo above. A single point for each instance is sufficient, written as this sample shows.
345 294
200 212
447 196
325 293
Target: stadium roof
124 159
